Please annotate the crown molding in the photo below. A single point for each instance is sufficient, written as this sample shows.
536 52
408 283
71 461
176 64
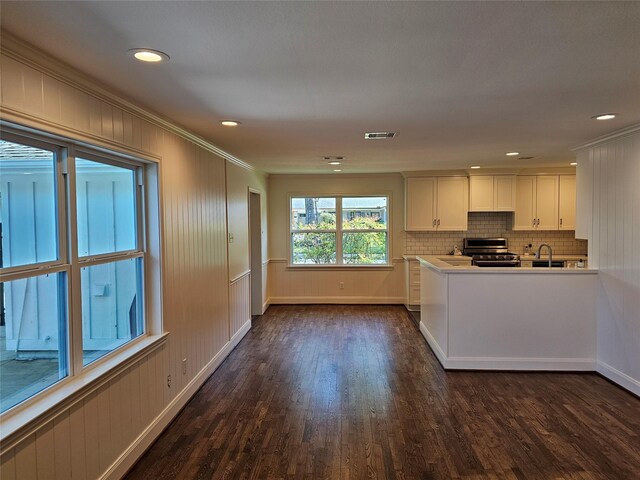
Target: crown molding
608 137
27 54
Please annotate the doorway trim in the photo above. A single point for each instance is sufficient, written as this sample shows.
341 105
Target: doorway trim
254 207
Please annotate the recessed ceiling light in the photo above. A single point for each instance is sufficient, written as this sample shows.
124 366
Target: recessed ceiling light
335 163
148 55
573 164
230 123
512 154
605 116
379 135
337 170
474 166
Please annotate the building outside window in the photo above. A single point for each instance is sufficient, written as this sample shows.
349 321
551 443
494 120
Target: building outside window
72 258
339 230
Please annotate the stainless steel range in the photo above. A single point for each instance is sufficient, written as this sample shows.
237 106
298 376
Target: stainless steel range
490 252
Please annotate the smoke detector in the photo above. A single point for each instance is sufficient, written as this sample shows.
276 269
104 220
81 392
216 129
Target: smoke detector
379 135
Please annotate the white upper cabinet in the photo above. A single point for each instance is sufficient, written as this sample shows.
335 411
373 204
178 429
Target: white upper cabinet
545 202
525 216
567 202
452 207
489 193
436 203
420 203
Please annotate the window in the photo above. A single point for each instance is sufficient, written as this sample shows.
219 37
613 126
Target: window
72 234
339 230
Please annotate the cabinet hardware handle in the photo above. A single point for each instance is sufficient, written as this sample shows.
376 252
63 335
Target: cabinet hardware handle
438 222
537 222
434 223
533 222
560 222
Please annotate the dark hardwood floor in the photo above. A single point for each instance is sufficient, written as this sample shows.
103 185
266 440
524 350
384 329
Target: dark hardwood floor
353 392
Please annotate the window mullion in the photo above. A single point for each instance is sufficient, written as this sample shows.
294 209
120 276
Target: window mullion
74 284
339 230
140 208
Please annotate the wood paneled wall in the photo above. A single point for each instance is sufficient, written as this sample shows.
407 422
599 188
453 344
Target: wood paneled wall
611 170
101 435
239 291
85 440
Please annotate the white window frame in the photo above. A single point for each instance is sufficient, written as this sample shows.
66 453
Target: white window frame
339 231
81 378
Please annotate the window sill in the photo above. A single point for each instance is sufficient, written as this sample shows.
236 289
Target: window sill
23 419
386 266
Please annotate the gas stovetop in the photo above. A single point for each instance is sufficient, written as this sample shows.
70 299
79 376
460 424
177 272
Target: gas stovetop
496 256
490 252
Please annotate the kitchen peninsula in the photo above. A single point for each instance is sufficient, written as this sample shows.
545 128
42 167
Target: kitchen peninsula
508 318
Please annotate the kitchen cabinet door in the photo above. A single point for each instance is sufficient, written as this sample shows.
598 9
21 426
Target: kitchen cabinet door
420 203
481 194
525 214
452 205
504 193
567 202
547 202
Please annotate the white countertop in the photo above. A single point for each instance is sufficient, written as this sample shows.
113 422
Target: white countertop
556 257
439 264
448 257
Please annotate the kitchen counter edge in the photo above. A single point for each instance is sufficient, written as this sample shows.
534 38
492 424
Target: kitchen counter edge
437 263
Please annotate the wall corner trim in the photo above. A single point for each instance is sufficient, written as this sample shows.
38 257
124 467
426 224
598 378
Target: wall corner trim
618 377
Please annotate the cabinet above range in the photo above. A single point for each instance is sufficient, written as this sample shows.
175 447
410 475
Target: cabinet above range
492 193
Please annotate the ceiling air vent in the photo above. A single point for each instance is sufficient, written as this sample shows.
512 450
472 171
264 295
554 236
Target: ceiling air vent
378 135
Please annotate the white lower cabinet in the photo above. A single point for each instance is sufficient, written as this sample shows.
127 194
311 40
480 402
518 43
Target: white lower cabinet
413 284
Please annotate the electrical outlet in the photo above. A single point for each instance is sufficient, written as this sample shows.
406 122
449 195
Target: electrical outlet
184 366
341 285
169 381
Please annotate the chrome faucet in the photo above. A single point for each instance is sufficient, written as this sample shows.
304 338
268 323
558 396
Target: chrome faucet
550 252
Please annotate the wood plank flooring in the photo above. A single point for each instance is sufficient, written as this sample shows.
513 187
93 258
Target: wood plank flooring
353 392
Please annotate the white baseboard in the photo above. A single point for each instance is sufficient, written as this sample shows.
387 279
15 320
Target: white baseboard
435 347
506 363
338 300
266 305
131 455
520 364
616 376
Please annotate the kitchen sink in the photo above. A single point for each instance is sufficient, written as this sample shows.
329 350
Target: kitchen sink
545 263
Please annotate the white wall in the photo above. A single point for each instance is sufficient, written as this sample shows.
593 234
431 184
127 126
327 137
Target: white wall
313 285
110 425
611 170
239 181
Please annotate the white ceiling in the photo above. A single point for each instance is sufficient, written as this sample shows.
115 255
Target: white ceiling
463 82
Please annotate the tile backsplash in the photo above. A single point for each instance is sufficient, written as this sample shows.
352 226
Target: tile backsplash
493 224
